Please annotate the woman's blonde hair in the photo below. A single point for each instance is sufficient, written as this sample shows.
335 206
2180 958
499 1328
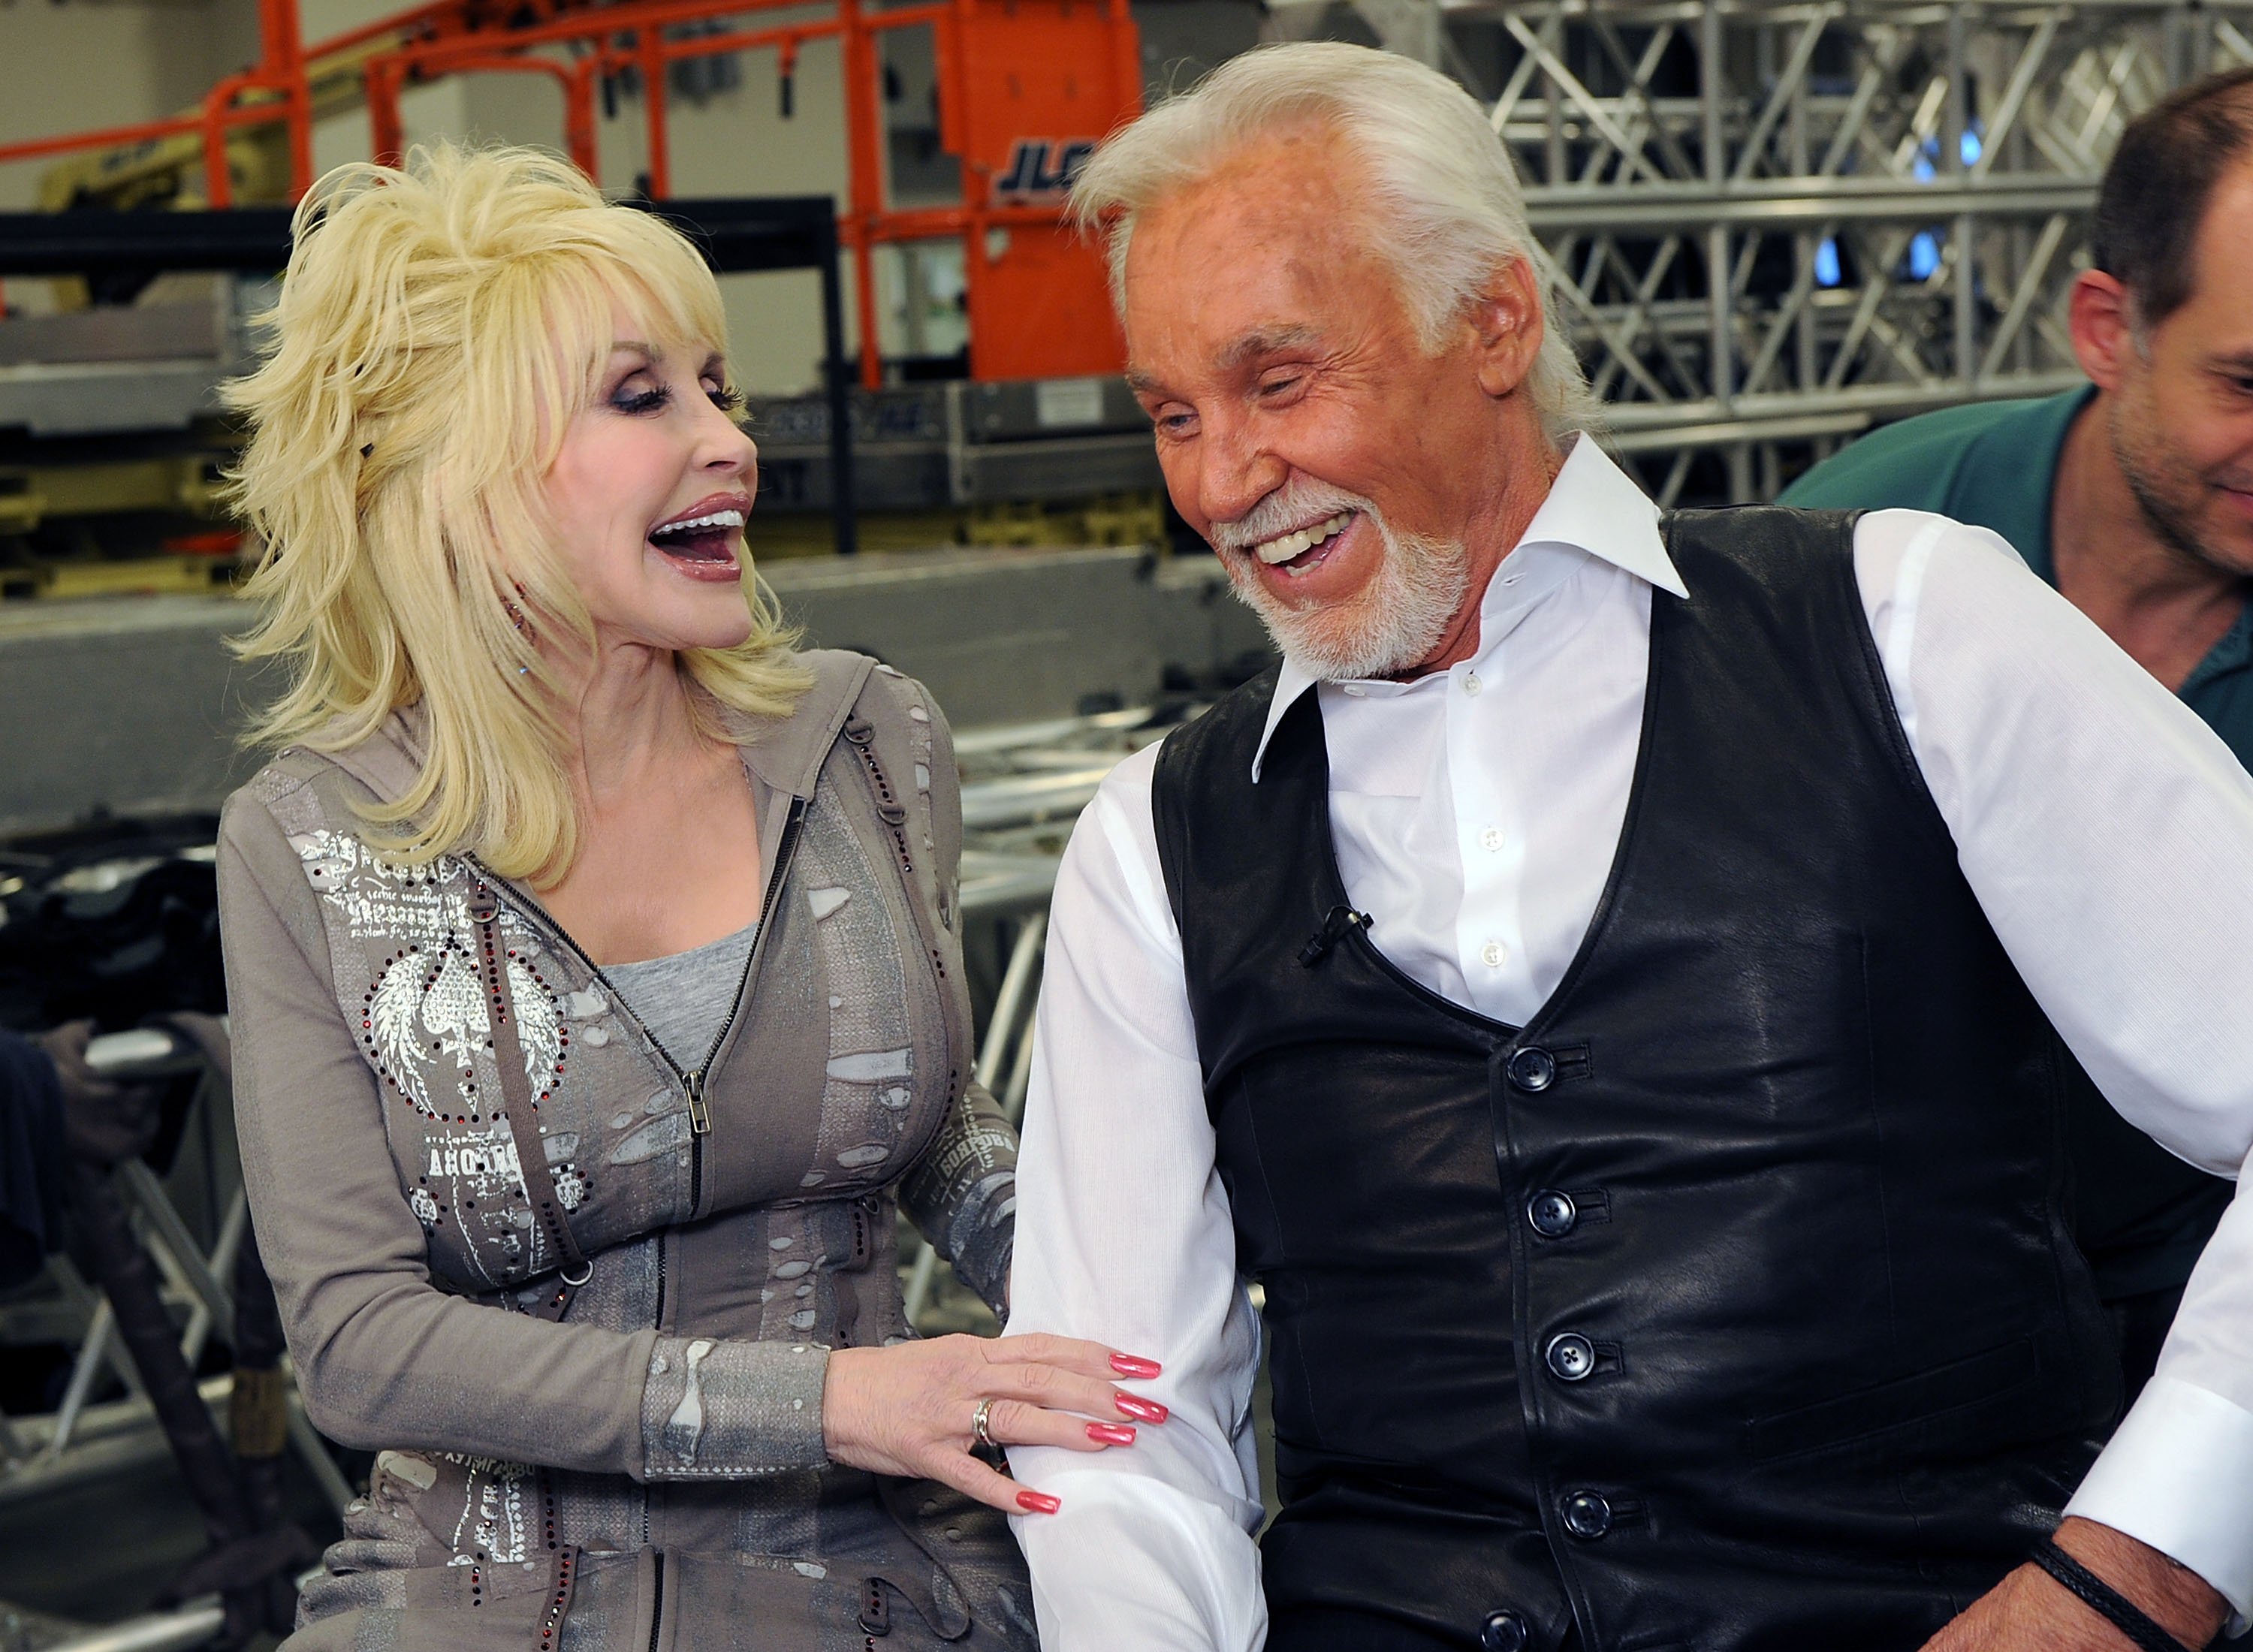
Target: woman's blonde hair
437 328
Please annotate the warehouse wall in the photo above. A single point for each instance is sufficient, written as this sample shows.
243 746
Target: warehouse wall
108 63
113 62
998 636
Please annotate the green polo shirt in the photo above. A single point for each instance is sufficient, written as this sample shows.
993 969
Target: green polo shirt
2141 1215
1994 465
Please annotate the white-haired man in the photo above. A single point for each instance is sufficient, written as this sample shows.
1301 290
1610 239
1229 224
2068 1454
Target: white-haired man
1606 991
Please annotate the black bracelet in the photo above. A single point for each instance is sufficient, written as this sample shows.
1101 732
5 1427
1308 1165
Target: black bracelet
2106 1601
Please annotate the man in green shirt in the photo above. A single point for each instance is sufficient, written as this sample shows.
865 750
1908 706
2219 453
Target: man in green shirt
2133 496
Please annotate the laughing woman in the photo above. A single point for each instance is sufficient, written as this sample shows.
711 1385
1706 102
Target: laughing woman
596 985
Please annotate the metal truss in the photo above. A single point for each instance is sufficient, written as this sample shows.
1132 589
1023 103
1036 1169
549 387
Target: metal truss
80 1441
1775 224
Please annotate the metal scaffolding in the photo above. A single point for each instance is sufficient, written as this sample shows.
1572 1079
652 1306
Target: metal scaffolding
1774 224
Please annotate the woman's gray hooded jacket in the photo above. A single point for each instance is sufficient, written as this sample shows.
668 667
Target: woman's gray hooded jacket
648 1473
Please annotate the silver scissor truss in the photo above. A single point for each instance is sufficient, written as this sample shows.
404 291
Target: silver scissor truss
1776 224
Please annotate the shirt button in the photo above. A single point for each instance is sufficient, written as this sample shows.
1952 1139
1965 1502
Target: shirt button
1471 684
1552 1214
1356 691
1492 954
1533 1069
1491 838
1503 1632
1570 1357
1587 1514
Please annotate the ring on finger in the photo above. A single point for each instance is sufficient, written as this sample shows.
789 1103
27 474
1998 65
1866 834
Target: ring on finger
981 1426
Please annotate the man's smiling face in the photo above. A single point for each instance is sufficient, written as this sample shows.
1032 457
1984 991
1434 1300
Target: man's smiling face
2182 420
1340 469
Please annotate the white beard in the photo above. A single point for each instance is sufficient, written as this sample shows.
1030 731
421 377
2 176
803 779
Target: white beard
1395 622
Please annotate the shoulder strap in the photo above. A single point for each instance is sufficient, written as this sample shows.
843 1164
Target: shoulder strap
1205 758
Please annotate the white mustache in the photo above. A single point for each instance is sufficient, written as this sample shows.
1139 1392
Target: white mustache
1296 505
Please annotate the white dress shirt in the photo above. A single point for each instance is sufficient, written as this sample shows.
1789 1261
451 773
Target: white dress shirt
2107 833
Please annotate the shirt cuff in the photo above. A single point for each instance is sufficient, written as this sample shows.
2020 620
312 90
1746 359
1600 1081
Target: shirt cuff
715 1410
2178 1476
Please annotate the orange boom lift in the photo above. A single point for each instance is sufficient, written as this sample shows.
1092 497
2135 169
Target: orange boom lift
1026 89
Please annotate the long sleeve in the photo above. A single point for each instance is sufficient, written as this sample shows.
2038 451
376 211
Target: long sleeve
1126 1240
962 1194
2109 836
383 1357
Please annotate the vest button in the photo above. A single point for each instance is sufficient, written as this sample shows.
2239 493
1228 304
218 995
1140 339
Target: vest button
1587 1514
1552 1214
1533 1068
1570 1357
1503 1632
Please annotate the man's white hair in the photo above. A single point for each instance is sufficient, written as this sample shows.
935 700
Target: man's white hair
1447 211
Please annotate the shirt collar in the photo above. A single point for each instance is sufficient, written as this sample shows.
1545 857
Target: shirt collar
1594 509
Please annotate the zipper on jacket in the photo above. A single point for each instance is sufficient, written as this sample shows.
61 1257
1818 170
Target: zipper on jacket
700 1113
563 937
692 1081
657 1601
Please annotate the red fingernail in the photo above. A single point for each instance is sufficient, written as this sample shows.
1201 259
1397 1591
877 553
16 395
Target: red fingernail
1037 1503
1145 1410
1111 1433
1133 1365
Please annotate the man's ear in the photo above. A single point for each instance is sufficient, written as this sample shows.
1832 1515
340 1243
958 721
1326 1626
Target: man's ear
1506 325
2101 315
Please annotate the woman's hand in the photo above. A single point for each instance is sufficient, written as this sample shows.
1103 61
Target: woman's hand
911 1409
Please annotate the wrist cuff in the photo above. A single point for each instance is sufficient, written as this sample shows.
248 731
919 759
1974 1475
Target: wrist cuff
715 1410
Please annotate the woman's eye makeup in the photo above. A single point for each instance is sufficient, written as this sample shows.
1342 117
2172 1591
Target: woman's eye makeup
642 397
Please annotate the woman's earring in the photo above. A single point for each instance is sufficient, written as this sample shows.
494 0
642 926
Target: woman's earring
516 618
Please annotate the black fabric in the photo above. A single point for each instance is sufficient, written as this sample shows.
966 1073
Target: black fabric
2140 1325
1831 1364
1329 1631
31 1159
2141 1216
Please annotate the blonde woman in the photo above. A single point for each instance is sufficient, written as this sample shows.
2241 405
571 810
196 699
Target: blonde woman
596 988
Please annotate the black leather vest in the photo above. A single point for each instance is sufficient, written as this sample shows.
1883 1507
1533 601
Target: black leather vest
1730 1304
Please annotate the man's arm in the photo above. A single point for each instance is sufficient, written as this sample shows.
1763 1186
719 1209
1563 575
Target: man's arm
2109 836
1124 1238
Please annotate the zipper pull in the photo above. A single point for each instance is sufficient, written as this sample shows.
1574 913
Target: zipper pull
699 1116
1341 919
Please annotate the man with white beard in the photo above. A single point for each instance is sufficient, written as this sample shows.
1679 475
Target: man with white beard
1606 989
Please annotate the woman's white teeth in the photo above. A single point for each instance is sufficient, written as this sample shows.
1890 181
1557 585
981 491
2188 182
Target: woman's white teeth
1282 550
718 518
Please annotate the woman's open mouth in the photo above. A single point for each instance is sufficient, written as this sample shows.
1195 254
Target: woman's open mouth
703 545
